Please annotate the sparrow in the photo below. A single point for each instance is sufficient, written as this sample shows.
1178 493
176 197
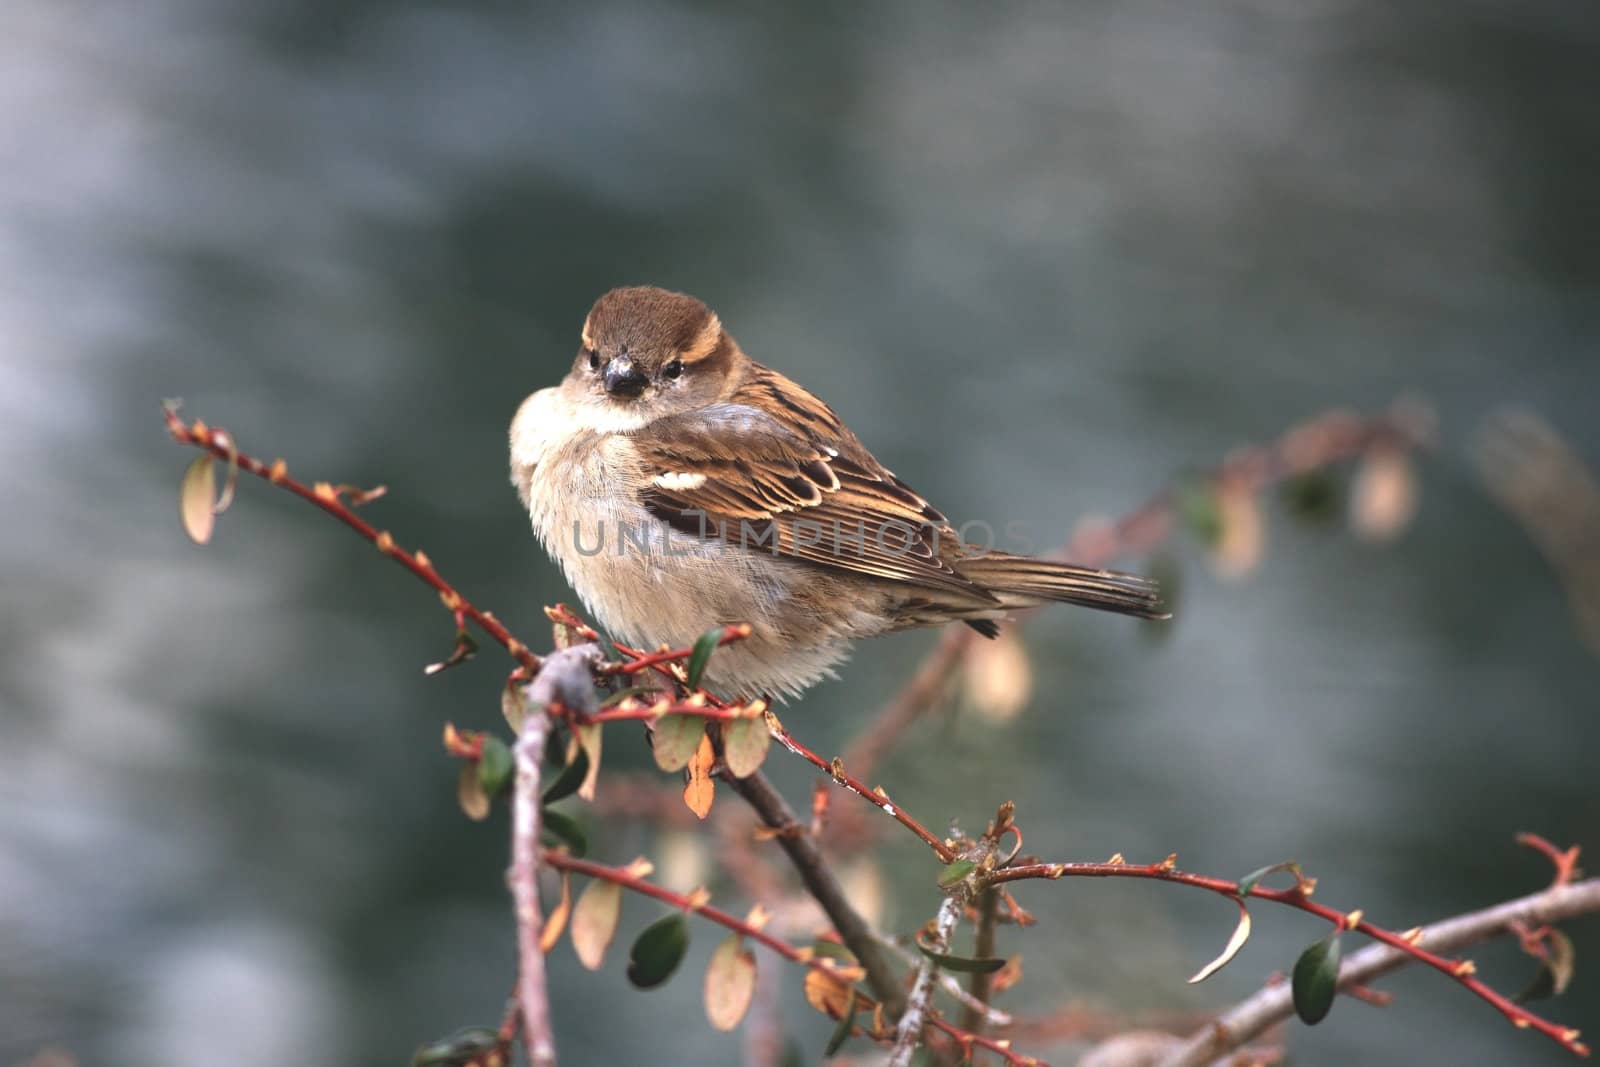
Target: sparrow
682 485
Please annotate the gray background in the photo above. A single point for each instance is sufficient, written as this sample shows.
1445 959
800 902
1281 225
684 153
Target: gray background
1079 247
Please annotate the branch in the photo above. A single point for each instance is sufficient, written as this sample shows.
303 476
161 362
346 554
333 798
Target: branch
1461 970
1275 1004
804 957
566 676
813 869
532 997
908 1034
819 880
983 945
221 444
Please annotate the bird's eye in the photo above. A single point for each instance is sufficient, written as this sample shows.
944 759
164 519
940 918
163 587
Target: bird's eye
594 361
673 369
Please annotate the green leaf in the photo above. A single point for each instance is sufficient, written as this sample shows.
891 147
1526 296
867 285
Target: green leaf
1316 980
964 964
1249 881
565 830
1197 505
744 745
457 1049
1314 497
658 951
954 872
847 1022
570 779
494 766
675 739
197 497
701 656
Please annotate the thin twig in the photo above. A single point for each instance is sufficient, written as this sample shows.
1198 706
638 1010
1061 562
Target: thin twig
1275 1003
1461 970
221 444
804 957
908 1033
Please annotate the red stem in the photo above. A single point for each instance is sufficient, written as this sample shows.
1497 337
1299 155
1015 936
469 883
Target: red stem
1460 970
625 878
220 444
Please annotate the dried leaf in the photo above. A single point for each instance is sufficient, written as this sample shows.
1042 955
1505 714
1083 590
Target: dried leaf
730 982
556 921
1316 980
676 739
830 992
1241 934
1007 976
197 496
594 922
514 705
656 953
470 795
589 737
1244 532
744 745
702 788
997 677
1384 497
1556 968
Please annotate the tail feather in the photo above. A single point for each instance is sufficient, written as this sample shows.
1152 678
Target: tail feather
1023 581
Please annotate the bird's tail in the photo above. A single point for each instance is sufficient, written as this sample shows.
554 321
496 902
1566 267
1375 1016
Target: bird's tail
1024 581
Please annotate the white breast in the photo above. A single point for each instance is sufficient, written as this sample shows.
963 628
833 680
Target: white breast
646 583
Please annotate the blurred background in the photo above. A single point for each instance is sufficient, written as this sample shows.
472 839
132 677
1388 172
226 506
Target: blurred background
1087 246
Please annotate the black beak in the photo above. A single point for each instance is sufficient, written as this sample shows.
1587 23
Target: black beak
622 380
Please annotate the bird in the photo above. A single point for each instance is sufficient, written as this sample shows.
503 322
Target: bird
681 485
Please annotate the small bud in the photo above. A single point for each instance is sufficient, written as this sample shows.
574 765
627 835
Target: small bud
1353 920
385 542
324 492
277 472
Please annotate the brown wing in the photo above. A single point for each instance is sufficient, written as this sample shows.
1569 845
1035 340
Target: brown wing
804 488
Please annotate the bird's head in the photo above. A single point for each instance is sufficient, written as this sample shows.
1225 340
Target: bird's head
647 353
